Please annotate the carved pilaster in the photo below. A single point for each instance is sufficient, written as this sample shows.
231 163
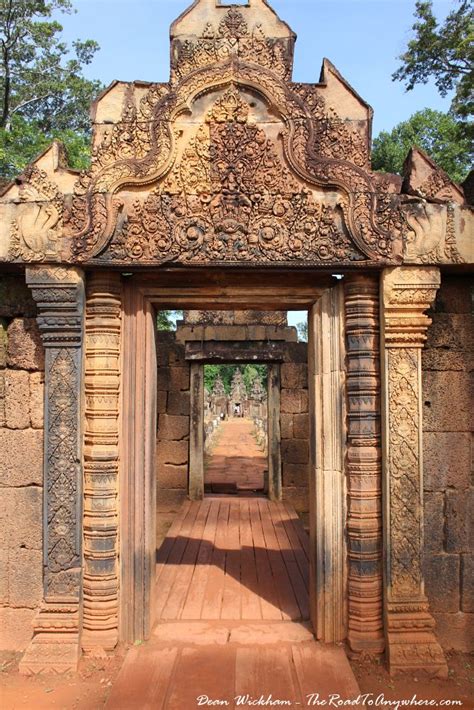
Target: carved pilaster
59 294
102 381
364 520
411 643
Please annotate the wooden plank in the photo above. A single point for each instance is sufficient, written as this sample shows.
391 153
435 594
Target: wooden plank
301 558
212 602
288 603
266 671
172 565
231 599
196 594
143 680
165 549
250 597
325 670
303 536
297 582
176 599
269 602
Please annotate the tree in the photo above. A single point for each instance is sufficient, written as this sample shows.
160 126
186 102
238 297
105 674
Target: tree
166 320
42 88
444 53
302 329
437 133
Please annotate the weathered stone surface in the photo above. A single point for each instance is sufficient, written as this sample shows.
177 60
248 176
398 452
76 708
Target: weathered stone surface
17 398
2 398
173 428
295 474
163 378
21 518
26 581
442 582
179 378
297 352
294 401
3 343
295 451
16 628
459 521
294 375
179 403
296 497
161 401
467 582
286 426
4 579
25 349
168 501
434 522
447 402
449 330
447 460
37 400
446 360
172 452
301 426
455 294
15 297
455 631
21 457
170 476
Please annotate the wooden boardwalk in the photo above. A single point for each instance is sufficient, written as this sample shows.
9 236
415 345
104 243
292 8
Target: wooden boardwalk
233 558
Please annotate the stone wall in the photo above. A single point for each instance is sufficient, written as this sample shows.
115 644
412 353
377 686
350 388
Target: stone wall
172 454
21 463
294 420
448 475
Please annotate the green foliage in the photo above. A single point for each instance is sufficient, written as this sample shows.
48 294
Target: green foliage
43 93
166 320
444 53
437 133
226 373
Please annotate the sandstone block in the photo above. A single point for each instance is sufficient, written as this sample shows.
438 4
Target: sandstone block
434 522
296 352
21 518
15 297
4 579
447 460
286 426
17 399
170 476
442 582
451 331
16 628
447 401
455 631
21 457
446 360
26 578
301 426
297 497
467 583
163 378
161 401
3 343
25 348
37 400
296 474
173 428
294 375
295 451
179 378
170 501
454 295
459 521
294 401
179 403
2 398
172 452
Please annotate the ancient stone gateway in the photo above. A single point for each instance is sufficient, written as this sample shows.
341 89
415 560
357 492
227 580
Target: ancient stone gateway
231 187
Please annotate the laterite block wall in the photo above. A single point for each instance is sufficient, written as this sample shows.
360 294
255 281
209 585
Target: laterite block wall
21 463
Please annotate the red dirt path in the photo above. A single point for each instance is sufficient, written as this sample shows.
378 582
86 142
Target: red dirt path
236 458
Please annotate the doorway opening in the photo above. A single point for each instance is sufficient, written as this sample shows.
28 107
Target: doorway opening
236 429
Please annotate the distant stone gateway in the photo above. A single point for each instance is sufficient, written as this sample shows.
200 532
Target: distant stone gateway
234 194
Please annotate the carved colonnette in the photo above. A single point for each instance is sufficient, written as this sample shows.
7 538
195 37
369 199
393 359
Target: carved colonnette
411 643
101 460
59 293
363 465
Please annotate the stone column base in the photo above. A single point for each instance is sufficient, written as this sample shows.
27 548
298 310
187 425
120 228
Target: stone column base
55 647
412 644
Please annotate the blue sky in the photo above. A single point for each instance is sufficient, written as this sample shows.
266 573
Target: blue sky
361 37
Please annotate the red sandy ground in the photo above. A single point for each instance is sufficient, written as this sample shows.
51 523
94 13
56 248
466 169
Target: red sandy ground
90 688
236 457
